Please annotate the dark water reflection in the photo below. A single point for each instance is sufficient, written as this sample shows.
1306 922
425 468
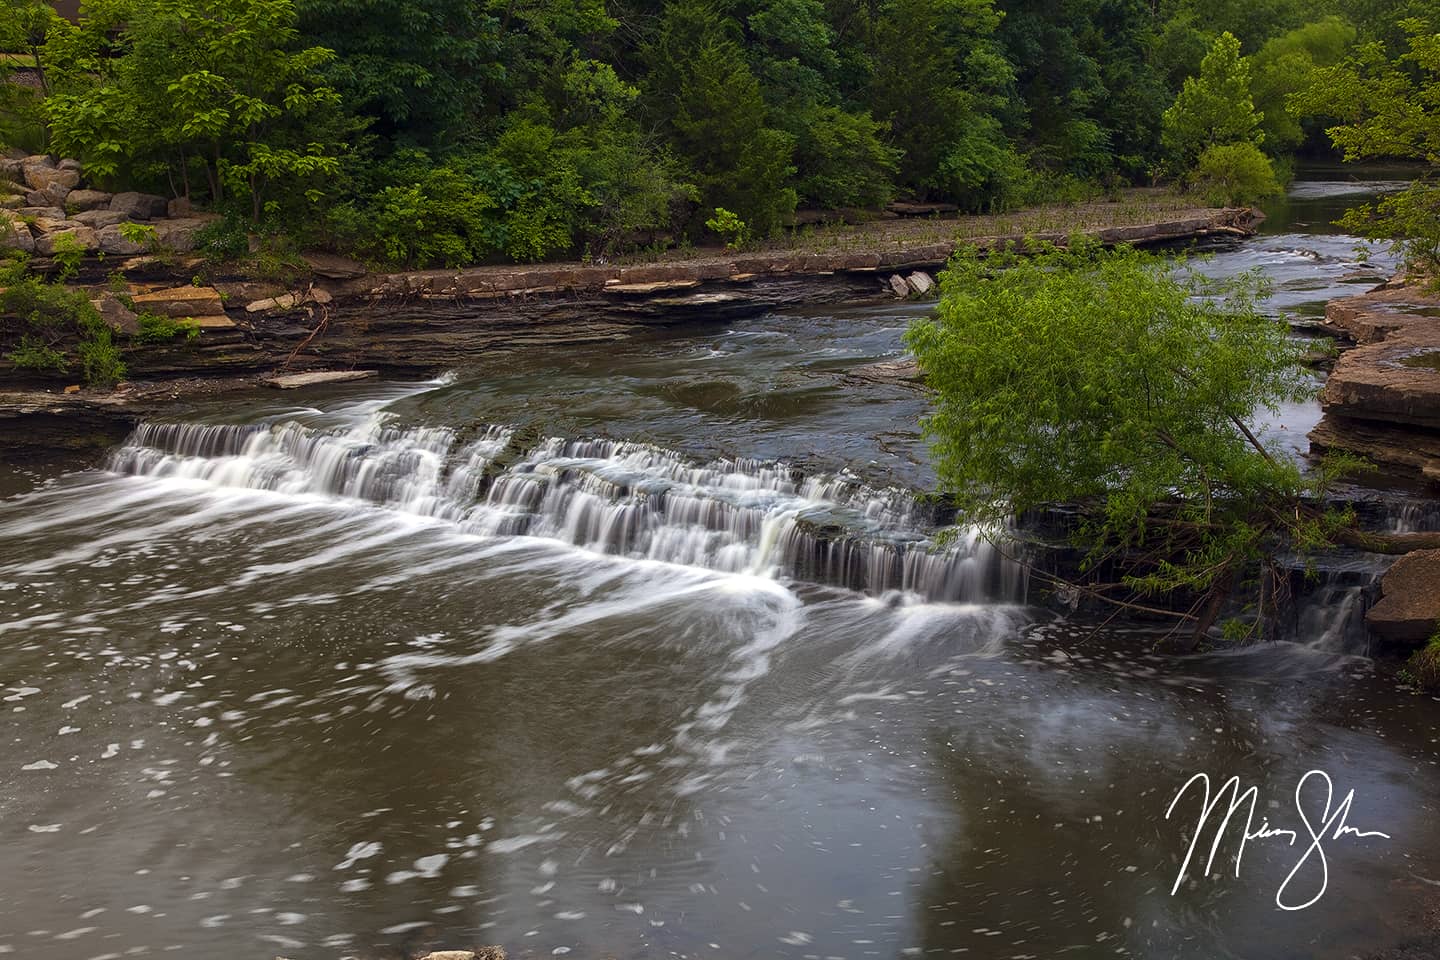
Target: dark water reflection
245 723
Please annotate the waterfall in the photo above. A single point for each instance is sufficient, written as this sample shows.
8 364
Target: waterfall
622 498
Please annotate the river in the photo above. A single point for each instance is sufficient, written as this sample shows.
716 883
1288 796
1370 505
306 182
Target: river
644 650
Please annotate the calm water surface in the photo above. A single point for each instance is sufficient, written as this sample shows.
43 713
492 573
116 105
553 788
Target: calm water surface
644 651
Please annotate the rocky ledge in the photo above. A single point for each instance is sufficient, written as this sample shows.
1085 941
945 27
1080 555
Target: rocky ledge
1382 400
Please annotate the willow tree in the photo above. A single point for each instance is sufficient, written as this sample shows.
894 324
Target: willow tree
1105 381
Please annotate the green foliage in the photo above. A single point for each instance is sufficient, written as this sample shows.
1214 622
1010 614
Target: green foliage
223 86
1215 107
142 234
1388 107
1100 379
67 255
55 328
35 355
1284 66
728 227
155 328
1234 174
1423 667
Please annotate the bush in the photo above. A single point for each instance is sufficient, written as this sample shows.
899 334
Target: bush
1234 174
155 328
54 327
1100 379
728 227
1424 664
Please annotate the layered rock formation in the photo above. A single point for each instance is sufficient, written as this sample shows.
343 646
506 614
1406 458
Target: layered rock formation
1382 400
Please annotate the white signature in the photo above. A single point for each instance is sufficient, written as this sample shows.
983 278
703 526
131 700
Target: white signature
1330 825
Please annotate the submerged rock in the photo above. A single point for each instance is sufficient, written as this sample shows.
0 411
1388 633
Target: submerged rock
1409 608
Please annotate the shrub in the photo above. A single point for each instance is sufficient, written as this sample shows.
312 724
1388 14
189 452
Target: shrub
68 254
1234 174
1423 666
36 355
728 227
155 328
55 327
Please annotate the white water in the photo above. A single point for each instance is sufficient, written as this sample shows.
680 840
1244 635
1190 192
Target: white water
621 498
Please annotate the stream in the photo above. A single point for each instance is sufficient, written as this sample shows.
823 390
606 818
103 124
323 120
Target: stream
648 650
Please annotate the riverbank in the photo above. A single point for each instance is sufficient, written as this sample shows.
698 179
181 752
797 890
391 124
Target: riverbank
339 316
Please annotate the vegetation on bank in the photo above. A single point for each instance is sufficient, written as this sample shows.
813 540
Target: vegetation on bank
426 132
1108 381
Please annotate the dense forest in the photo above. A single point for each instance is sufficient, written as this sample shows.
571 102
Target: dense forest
457 131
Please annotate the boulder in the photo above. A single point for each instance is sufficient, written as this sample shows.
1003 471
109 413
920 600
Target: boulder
12 201
139 206
113 242
920 282
84 236
42 213
116 315
81 200
12 171
39 177
179 235
15 235
53 195
180 207
1409 608
99 218
70 163
898 286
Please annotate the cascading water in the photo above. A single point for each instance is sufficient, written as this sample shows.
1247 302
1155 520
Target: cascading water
614 497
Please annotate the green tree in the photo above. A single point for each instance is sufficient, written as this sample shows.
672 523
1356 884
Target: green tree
1283 67
1229 174
416 68
1099 379
1214 107
1389 107
224 86
702 90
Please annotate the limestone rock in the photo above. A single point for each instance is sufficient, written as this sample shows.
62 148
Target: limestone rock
12 170
334 267
899 286
81 200
139 206
113 241
99 218
294 381
1410 606
1394 381
116 315
178 235
12 201
70 163
180 207
450 955
15 235
920 282
181 302
47 213
40 177
1400 452
83 235
287 301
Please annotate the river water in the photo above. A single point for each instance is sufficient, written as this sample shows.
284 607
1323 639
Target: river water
647 651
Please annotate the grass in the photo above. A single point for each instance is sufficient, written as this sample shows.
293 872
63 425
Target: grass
1134 207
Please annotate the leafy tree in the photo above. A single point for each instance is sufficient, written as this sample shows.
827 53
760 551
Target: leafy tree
1229 174
938 79
701 88
1099 379
415 67
1389 107
1215 107
1283 67
222 85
